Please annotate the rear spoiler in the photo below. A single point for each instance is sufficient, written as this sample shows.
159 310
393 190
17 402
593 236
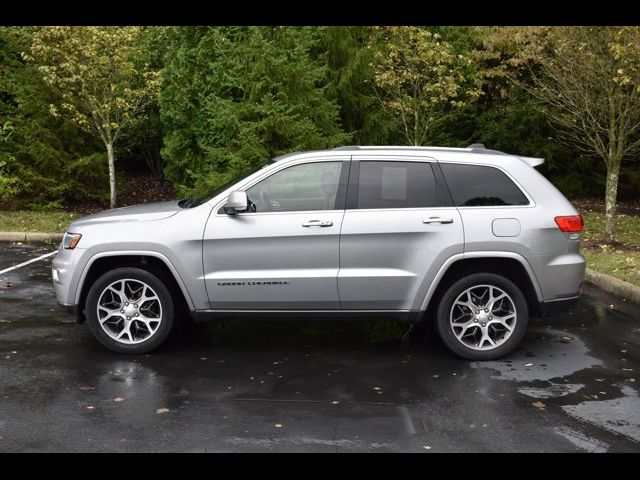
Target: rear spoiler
532 161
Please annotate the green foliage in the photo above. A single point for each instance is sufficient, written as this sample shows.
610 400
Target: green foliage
101 78
350 59
37 151
235 97
420 79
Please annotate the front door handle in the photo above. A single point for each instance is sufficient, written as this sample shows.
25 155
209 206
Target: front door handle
438 220
317 223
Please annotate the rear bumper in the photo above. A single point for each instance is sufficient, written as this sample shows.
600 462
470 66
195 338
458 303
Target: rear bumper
558 307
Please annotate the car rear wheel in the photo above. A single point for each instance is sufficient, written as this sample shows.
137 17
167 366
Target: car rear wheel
482 316
129 310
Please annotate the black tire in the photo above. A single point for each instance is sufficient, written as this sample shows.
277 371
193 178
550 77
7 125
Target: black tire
165 299
451 294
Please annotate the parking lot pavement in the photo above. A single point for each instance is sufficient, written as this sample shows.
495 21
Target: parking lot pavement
310 386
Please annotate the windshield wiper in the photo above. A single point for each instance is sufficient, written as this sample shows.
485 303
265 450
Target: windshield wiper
189 202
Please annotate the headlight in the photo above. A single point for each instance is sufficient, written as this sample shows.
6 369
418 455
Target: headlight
70 240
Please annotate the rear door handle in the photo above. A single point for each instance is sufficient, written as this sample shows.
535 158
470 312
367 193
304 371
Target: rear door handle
438 220
317 223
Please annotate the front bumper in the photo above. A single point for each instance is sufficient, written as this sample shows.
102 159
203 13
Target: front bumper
558 307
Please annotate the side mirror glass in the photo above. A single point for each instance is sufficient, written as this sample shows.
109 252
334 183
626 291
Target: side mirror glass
236 202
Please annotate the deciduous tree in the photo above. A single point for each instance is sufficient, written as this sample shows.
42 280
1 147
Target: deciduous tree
589 85
421 79
100 79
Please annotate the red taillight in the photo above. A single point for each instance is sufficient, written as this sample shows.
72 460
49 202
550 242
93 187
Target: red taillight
570 224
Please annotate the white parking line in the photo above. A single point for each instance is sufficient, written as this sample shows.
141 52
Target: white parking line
41 257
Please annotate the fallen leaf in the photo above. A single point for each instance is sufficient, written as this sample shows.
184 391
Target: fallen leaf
539 405
118 399
162 410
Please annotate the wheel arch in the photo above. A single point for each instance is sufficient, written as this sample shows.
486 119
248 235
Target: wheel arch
153 262
511 265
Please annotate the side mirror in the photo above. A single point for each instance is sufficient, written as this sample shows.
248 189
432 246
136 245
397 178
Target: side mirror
236 202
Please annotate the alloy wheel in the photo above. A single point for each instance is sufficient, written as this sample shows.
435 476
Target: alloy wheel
129 311
483 317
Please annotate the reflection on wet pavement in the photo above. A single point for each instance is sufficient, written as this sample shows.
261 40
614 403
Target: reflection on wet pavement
311 386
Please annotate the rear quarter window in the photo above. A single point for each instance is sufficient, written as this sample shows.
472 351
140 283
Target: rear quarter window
481 186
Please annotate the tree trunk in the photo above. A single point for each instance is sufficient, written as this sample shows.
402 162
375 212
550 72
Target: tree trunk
610 199
112 174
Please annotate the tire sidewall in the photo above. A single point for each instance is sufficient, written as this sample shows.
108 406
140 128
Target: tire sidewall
137 274
450 295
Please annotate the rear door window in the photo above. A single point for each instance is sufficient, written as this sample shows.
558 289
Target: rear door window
396 185
481 186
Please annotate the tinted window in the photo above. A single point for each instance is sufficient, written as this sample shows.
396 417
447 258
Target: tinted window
310 186
396 185
474 185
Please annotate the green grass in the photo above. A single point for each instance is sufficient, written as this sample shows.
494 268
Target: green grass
619 264
621 260
627 229
28 221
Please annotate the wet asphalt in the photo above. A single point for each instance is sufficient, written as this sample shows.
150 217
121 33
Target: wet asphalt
311 386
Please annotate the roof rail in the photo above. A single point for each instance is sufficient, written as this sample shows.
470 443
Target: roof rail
473 148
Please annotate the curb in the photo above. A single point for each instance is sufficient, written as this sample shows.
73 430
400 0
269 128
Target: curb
30 237
613 285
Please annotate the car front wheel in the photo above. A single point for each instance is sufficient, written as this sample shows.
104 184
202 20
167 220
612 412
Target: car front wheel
482 316
129 310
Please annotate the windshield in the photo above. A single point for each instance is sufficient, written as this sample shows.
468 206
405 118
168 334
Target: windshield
195 201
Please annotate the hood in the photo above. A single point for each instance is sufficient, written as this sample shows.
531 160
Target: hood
135 213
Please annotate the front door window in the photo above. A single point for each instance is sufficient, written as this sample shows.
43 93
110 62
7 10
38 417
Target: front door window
305 187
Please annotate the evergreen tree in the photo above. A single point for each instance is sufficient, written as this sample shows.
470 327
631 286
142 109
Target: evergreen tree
236 97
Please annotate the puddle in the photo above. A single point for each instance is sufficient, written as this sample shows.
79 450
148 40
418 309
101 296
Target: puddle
619 415
552 391
554 357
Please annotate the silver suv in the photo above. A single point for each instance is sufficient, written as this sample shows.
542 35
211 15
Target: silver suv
473 239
